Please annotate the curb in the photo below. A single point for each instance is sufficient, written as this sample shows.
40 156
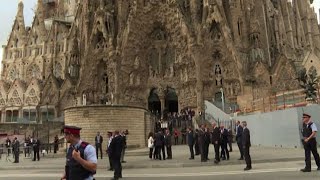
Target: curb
166 165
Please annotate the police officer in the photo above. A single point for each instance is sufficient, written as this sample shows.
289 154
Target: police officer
81 156
309 133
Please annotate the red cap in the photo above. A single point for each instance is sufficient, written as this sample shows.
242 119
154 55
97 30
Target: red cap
72 130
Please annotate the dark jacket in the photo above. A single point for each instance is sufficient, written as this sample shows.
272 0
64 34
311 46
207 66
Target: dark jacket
246 138
239 134
216 135
100 140
224 136
167 140
159 139
36 145
115 147
190 138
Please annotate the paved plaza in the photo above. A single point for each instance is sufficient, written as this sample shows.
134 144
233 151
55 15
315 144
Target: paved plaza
268 163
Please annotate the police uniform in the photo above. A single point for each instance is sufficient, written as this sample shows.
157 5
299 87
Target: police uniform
74 170
310 145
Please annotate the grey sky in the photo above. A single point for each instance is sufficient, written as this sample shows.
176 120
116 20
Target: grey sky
8 11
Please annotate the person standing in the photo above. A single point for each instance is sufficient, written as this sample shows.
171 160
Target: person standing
176 136
196 142
168 144
115 153
81 159
239 130
190 141
56 144
150 144
8 145
16 150
202 144
108 151
124 140
216 139
246 145
230 138
98 141
36 149
224 143
309 141
207 140
158 144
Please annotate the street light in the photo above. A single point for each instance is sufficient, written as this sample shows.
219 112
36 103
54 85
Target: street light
222 98
48 127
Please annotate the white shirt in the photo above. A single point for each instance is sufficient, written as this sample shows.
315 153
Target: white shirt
150 142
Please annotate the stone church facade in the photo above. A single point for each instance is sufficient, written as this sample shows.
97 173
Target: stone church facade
155 54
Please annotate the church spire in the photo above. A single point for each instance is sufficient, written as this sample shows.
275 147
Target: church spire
20 16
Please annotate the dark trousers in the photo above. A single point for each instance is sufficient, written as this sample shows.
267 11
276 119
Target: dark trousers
230 145
309 147
224 150
56 148
191 151
36 154
196 148
27 151
150 152
202 152
157 152
110 163
176 140
163 152
240 149
98 147
246 154
16 156
117 168
216 152
206 151
169 152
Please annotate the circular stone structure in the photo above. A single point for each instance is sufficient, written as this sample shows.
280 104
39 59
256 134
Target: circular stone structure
104 118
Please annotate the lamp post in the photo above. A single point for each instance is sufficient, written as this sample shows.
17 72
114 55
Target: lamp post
222 98
48 128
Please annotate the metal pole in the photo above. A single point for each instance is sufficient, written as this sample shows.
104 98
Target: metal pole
48 129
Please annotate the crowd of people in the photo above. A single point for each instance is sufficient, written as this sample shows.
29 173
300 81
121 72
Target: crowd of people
199 142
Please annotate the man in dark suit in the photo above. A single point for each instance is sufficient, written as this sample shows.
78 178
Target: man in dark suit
196 142
36 149
115 154
168 144
207 140
202 144
16 150
98 140
224 143
246 145
239 131
216 142
190 141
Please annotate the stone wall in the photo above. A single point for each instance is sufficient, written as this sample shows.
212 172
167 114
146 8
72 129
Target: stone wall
104 118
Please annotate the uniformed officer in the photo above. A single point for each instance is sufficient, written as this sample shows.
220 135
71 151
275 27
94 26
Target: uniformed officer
309 133
81 156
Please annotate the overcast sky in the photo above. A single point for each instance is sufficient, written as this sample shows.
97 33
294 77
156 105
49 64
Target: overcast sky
8 11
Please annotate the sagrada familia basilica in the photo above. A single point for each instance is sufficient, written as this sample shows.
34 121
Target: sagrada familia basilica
155 54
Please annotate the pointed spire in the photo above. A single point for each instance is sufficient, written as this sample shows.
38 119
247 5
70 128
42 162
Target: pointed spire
20 17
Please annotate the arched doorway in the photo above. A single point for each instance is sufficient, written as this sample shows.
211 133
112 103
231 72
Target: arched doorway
154 103
171 101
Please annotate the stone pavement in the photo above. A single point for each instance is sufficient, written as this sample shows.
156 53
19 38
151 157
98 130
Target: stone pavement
139 159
